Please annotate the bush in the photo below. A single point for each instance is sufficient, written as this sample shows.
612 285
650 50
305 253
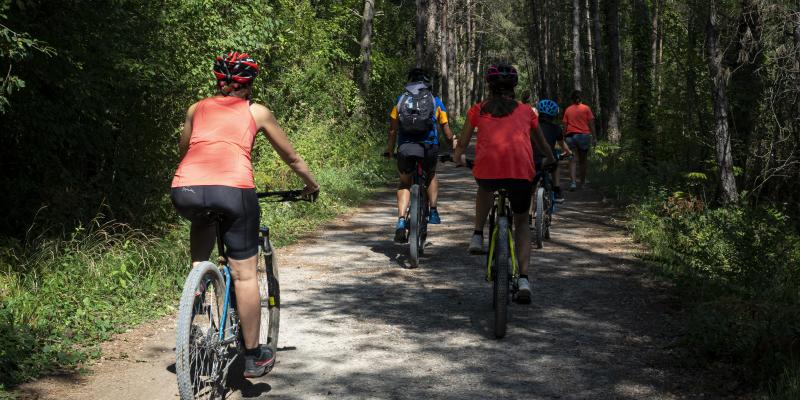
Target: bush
739 271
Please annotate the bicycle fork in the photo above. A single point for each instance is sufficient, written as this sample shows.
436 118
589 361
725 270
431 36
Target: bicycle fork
492 243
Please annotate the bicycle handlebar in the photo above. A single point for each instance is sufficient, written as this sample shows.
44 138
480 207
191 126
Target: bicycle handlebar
449 158
288 195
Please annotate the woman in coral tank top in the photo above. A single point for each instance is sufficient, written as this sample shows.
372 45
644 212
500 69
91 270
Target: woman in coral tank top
215 173
504 160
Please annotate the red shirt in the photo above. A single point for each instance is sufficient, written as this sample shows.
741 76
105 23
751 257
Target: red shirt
504 148
223 131
577 118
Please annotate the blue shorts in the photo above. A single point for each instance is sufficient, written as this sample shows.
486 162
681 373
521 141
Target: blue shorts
579 141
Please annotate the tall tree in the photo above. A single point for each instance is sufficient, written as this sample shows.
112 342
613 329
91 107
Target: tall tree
614 71
600 67
537 44
746 85
431 54
592 66
443 49
366 44
419 37
576 44
642 80
719 75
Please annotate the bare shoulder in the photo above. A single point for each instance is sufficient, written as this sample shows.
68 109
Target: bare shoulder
192 108
260 109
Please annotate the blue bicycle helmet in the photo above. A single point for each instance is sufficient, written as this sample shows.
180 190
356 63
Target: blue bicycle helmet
548 107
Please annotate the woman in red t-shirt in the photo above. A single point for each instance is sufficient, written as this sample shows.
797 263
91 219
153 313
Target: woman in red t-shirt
504 160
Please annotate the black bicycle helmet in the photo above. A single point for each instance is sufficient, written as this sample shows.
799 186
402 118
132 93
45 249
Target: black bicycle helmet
419 75
502 74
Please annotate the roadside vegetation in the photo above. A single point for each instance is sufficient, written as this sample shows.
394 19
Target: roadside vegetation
736 269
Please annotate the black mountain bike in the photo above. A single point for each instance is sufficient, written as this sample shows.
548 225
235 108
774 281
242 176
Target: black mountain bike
544 202
417 215
209 337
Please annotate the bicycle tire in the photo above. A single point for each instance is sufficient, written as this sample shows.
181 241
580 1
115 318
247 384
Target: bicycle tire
500 279
548 220
269 293
424 212
414 227
538 223
198 367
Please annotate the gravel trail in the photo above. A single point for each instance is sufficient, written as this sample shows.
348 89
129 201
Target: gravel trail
358 324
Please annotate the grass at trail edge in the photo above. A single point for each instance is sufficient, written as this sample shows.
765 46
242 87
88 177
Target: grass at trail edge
59 298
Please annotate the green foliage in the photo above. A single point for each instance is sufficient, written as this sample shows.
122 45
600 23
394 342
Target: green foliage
737 269
67 295
95 133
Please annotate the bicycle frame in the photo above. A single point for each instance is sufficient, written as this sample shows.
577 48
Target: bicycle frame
500 210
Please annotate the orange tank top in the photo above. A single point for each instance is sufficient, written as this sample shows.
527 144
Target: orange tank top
223 132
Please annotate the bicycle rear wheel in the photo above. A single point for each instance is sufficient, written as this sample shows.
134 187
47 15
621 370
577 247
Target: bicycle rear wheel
414 231
538 224
200 357
500 274
549 201
269 291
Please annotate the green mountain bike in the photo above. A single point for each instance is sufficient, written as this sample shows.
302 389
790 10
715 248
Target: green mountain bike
501 264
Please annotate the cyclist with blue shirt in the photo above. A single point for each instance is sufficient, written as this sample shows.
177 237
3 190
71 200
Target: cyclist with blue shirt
413 128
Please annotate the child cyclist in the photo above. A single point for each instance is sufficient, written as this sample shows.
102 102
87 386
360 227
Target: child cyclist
504 160
548 111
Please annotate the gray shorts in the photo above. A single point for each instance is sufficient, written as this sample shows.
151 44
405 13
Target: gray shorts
579 141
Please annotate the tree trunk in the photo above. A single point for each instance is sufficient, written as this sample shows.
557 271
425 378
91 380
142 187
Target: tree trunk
656 19
592 68
576 44
600 69
537 46
452 68
366 44
470 56
443 49
642 81
614 71
476 75
430 36
419 37
719 78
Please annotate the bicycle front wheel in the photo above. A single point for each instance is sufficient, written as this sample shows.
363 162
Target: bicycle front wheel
200 356
269 290
414 232
538 234
500 278
549 200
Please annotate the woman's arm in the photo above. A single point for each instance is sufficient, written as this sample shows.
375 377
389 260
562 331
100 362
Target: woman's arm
463 142
266 121
186 135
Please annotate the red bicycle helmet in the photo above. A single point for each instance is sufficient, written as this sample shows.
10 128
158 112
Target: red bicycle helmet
235 69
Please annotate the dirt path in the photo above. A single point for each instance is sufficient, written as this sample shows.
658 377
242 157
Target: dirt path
357 324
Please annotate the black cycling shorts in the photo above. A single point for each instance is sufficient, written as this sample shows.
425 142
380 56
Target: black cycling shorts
408 153
238 209
519 192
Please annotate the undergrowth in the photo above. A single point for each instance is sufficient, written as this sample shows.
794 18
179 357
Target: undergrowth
59 298
736 268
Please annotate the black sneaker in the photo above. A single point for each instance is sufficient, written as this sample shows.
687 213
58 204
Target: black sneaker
400 231
255 366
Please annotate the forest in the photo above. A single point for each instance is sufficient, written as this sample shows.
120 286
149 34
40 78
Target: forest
697 106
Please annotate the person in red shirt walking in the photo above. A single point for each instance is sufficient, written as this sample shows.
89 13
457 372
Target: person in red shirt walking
504 160
579 125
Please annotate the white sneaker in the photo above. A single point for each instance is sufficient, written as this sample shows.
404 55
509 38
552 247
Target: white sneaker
524 291
476 244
